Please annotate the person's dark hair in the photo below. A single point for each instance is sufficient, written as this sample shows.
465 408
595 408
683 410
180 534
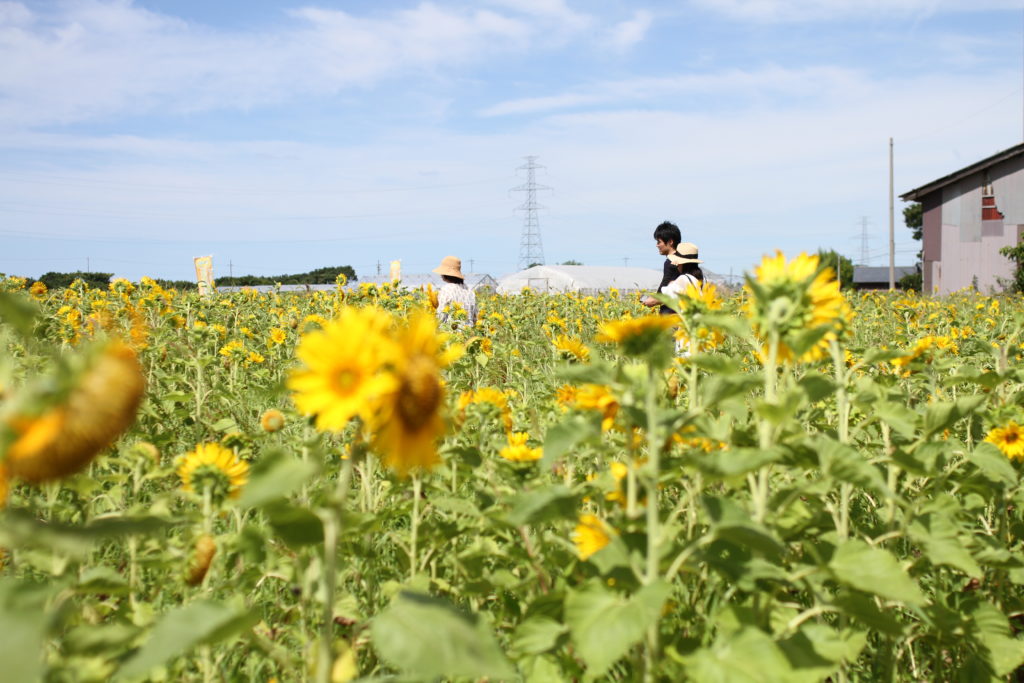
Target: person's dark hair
452 278
668 233
692 269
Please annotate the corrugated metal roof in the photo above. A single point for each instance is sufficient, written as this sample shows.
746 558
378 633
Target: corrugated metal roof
863 274
917 194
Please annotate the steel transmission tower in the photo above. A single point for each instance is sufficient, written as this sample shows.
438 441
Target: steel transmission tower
531 250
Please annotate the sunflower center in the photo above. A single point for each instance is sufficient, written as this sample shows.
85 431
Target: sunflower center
419 395
345 380
1012 437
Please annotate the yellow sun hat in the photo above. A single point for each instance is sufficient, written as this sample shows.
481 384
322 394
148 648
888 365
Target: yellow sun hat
684 253
451 266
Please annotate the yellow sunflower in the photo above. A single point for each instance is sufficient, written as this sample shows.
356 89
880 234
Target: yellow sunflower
572 347
1008 439
213 467
636 336
598 397
341 374
409 423
787 298
518 451
487 395
590 536
66 437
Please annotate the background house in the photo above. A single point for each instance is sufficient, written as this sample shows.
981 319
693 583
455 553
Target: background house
968 216
877 277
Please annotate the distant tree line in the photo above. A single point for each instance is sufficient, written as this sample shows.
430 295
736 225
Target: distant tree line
320 276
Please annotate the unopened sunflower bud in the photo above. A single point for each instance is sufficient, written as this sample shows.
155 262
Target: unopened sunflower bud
206 547
272 420
147 451
673 385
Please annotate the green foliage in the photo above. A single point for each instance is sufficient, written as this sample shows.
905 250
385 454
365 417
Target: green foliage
54 280
913 218
318 276
1016 254
838 518
830 257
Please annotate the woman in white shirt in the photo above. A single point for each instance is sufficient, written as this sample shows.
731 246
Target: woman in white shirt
685 259
454 294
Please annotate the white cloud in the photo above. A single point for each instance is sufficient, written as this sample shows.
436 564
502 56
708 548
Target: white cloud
834 10
561 16
625 35
819 82
93 59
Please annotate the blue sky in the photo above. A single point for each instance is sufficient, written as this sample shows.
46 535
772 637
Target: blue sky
281 137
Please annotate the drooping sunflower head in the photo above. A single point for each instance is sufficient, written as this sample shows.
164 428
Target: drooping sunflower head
787 300
63 435
214 468
409 421
341 375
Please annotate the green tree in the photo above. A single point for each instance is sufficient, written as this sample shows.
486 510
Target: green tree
572 262
830 257
913 216
54 280
1016 254
319 276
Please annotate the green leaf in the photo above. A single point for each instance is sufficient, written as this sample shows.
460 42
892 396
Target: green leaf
23 624
20 528
874 570
737 461
938 534
91 639
102 580
225 424
184 628
863 608
428 637
900 419
848 465
746 656
295 525
715 363
275 476
19 312
730 521
542 505
604 625
993 464
944 414
568 434
817 387
991 631
538 635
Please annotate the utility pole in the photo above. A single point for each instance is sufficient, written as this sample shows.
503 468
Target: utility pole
530 248
87 265
378 266
471 269
231 269
892 228
625 261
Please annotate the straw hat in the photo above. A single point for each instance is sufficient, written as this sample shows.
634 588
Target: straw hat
451 266
685 253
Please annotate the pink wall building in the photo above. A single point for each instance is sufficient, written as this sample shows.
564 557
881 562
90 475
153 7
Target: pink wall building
968 216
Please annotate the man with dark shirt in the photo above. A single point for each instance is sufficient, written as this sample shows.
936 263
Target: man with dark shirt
666 238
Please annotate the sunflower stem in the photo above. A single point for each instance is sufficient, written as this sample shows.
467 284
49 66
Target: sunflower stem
653 530
414 524
331 518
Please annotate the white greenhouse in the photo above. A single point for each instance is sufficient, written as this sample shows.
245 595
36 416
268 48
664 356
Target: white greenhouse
583 279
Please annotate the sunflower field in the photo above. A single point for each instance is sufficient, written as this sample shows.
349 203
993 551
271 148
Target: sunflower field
782 483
